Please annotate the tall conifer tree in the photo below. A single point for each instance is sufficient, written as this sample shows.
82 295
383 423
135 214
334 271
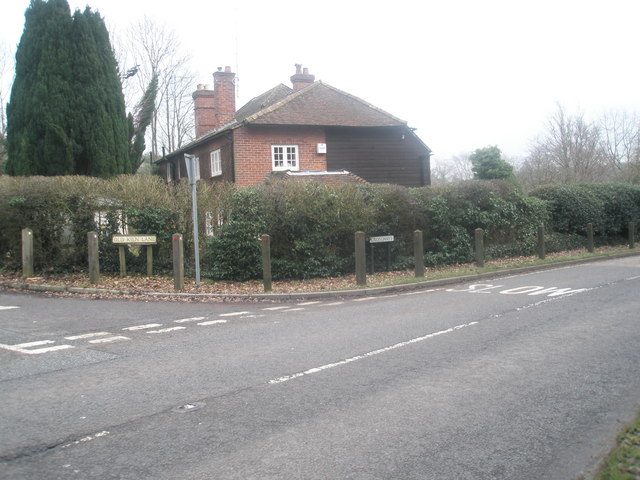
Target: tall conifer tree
66 114
38 137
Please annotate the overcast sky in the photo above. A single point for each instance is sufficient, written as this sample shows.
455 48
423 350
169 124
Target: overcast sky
465 73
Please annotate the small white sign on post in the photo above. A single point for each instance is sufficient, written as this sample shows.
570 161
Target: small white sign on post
381 239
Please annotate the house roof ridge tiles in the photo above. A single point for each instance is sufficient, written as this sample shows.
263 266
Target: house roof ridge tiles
318 84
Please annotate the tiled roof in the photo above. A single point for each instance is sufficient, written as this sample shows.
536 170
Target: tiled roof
263 101
323 105
318 104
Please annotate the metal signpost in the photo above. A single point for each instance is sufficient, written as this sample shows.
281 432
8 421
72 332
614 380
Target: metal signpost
190 161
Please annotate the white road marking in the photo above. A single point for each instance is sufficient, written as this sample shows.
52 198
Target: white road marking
294 309
143 327
286 378
116 338
25 347
364 299
331 304
421 291
191 319
308 303
233 314
275 308
212 322
166 330
7 307
87 335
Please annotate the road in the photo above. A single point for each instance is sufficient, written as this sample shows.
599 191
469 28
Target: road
528 376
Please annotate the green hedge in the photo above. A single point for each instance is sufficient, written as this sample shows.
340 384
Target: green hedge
311 225
608 206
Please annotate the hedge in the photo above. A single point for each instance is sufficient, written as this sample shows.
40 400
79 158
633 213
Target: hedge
311 225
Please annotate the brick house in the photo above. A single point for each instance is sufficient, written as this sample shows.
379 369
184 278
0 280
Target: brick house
311 130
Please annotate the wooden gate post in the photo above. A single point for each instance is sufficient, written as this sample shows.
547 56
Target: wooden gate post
27 253
361 260
632 234
479 240
418 253
178 262
590 237
266 263
541 246
94 262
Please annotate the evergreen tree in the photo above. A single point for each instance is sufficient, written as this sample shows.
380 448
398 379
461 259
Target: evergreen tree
488 164
66 113
38 136
100 125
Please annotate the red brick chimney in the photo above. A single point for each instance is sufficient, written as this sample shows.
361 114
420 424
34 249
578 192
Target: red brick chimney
217 107
302 78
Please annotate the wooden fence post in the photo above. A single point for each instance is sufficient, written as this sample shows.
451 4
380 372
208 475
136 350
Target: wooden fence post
541 246
632 234
178 262
479 240
418 253
27 253
266 263
361 260
590 247
123 262
94 261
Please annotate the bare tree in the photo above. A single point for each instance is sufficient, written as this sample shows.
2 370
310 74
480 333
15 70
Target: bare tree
569 151
153 49
621 139
454 169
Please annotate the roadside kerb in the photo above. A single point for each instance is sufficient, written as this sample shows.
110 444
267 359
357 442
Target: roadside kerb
359 292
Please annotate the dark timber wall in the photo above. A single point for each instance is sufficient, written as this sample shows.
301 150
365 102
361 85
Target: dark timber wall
379 155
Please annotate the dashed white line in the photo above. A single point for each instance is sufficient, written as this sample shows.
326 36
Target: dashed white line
84 336
286 378
212 322
276 308
331 304
293 309
166 330
190 319
26 347
233 314
116 338
7 307
143 327
308 303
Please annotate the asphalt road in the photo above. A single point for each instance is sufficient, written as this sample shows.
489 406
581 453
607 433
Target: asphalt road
523 377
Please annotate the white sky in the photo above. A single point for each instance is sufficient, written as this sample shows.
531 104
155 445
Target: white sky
465 73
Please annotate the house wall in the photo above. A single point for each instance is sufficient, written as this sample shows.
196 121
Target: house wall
379 155
203 152
252 150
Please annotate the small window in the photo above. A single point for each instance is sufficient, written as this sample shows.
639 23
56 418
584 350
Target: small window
285 157
216 164
169 167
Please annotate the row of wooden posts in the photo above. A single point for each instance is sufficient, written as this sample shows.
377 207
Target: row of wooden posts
360 255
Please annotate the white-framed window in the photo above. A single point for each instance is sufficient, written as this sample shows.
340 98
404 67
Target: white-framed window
216 163
285 157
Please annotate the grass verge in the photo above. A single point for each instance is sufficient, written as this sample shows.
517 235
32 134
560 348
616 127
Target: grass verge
624 461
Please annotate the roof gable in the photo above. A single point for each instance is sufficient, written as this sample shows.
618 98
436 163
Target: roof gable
323 105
